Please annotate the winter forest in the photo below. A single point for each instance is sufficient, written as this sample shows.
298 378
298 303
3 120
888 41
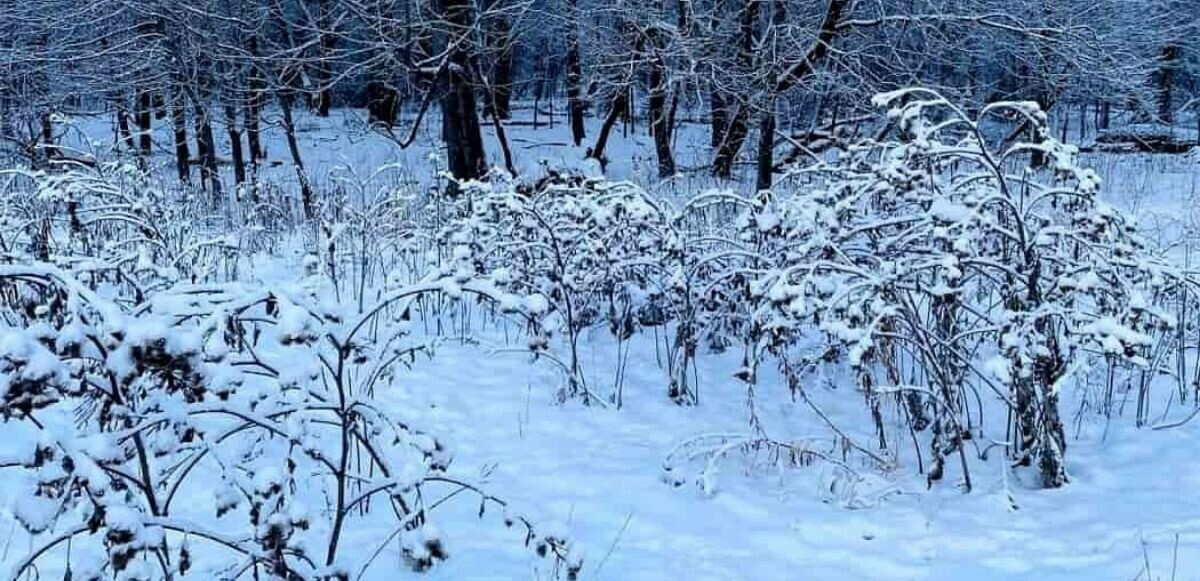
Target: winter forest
342 290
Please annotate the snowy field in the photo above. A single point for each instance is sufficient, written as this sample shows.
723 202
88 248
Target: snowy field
598 474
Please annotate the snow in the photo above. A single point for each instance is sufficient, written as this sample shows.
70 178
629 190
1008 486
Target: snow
595 475
601 472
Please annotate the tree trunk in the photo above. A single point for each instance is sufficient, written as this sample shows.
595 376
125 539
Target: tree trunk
502 85
159 106
206 147
179 128
502 138
660 122
719 116
575 104
123 126
1168 63
766 149
461 131
289 131
1038 159
254 103
253 134
382 102
736 130
1054 447
49 149
324 73
498 38
460 117
144 116
619 104
737 127
235 145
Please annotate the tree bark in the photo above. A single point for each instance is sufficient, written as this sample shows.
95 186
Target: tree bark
498 38
619 104
718 120
766 149
235 145
123 126
575 104
206 146
289 130
382 102
660 123
254 103
1168 63
145 143
179 130
324 73
460 117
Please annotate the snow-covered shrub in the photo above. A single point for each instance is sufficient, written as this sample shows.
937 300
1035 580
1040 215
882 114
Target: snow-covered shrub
222 430
113 223
369 229
589 252
582 251
940 270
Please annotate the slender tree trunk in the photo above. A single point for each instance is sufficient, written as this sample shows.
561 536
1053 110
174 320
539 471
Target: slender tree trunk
738 126
502 138
575 104
49 149
206 146
123 126
736 131
461 131
498 38
289 131
718 120
1038 158
766 149
253 133
1054 442
460 117
160 106
235 144
324 73
382 102
620 97
254 103
660 125
1168 63
144 116
1083 127
179 128
627 114
502 85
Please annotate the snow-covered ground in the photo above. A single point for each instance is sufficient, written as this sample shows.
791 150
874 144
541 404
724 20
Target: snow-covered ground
1130 510
599 472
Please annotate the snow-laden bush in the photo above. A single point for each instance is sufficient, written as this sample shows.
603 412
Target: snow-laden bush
590 252
585 252
222 430
114 223
938 269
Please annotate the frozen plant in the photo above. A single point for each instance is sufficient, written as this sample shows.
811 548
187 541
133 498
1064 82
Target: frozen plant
942 271
223 429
